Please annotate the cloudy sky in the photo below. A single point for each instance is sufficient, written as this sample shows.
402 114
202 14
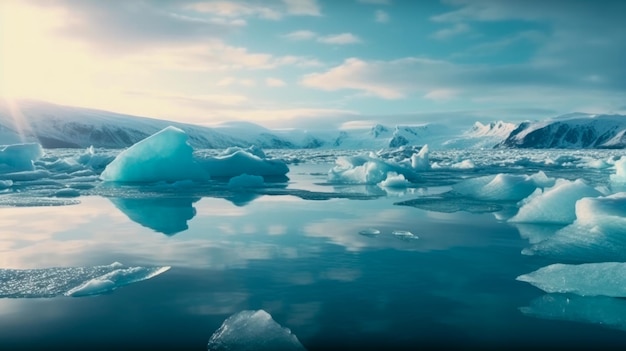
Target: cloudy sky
307 63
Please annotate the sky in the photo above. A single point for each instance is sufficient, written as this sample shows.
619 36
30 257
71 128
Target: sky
318 63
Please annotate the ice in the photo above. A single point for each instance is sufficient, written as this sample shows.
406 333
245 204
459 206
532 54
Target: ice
163 156
588 279
96 161
404 234
556 204
367 169
115 279
245 181
71 281
253 330
598 234
601 310
67 193
370 232
25 175
465 164
394 180
451 202
34 201
420 161
239 161
19 157
506 187
5 184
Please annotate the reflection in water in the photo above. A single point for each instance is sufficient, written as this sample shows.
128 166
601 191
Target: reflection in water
606 311
162 214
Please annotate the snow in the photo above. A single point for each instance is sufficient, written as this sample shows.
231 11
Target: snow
71 281
556 204
164 156
19 157
253 330
503 186
588 279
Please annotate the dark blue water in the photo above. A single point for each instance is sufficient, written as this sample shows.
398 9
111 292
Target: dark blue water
303 261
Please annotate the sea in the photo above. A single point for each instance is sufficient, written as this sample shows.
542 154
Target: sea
342 266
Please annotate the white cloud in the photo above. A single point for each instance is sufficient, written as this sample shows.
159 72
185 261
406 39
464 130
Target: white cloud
274 82
441 94
381 16
300 35
458 28
232 81
303 7
235 9
340 39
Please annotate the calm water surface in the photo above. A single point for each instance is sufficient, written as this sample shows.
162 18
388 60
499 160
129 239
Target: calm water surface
304 262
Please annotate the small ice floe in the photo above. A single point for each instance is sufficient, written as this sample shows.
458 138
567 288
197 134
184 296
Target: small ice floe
404 235
253 330
370 232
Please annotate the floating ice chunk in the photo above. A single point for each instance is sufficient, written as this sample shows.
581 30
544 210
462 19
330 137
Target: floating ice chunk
245 181
253 330
620 171
163 156
19 157
5 184
404 234
598 234
254 150
71 281
366 169
370 232
243 162
601 310
465 164
394 180
420 161
556 204
503 186
96 161
589 279
25 175
115 279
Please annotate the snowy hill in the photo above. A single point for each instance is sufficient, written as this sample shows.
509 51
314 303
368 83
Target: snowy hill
571 131
380 136
55 126
482 136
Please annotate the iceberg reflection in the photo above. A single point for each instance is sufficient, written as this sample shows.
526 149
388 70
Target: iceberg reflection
162 214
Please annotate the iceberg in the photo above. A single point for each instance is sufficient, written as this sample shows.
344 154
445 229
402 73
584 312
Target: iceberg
556 204
19 157
237 161
71 281
394 180
367 169
511 187
420 160
253 330
163 156
588 279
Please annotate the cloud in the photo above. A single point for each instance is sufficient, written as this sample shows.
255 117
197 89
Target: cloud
235 9
458 28
231 81
340 39
303 7
274 82
441 94
300 35
381 16
336 39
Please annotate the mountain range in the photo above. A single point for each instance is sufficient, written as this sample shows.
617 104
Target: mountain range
55 126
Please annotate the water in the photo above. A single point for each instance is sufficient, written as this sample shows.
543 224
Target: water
295 250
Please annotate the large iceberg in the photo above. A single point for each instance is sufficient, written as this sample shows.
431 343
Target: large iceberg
253 330
556 204
71 281
19 157
588 279
163 156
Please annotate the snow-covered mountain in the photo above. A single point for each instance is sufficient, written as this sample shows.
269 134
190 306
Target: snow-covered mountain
571 131
482 136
